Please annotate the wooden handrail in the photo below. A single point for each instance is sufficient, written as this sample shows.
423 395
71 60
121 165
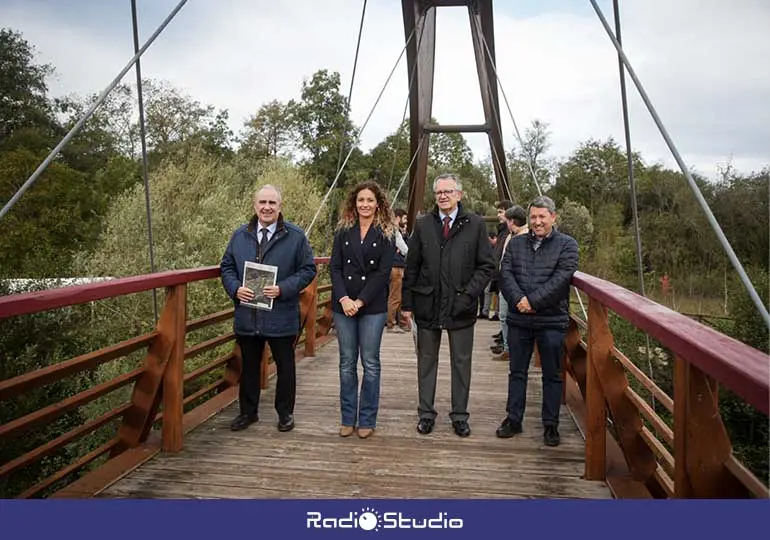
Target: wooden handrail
62 440
40 377
741 368
34 302
56 410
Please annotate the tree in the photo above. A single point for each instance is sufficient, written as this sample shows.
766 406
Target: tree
595 174
269 133
23 100
176 123
322 121
536 143
388 161
449 152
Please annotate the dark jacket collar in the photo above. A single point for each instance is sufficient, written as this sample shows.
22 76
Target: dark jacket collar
460 212
254 221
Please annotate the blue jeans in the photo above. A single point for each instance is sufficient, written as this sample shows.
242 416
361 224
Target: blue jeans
359 335
550 345
502 311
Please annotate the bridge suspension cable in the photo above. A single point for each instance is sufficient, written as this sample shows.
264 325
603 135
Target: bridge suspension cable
77 127
350 91
394 198
686 171
358 135
521 142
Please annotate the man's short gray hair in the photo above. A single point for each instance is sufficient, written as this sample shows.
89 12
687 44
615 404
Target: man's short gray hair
270 186
544 202
448 176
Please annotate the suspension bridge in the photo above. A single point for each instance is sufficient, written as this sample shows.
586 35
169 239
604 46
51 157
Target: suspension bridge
171 442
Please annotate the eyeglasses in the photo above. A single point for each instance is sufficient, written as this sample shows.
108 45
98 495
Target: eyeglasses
446 192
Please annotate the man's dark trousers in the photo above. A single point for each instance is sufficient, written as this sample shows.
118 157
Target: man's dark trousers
550 346
286 385
460 353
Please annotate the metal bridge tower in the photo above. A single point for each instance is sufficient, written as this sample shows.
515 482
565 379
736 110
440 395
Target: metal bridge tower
420 18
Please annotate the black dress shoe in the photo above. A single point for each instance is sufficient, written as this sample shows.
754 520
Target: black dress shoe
461 428
286 423
551 436
508 429
498 336
425 425
242 421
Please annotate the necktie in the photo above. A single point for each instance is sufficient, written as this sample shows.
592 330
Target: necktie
447 219
262 243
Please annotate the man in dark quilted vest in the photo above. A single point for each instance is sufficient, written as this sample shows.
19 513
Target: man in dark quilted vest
535 278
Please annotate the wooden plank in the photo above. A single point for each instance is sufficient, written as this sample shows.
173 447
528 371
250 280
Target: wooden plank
47 414
99 479
599 345
747 478
59 442
173 377
138 421
69 469
644 380
658 449
208 320
626 418
211 366
313 461
10 388
682 486
707 444
208 345
202 392
657 422
310 319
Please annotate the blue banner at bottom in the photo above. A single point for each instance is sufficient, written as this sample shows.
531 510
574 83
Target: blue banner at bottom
542 519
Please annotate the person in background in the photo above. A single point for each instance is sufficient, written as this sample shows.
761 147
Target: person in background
450 262
397 274
360 265
516 221
536 274
271 240
493 287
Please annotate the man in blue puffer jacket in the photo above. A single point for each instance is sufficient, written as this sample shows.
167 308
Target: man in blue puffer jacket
267 239
536 273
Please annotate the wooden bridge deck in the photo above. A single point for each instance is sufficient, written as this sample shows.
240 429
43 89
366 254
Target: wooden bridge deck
312 461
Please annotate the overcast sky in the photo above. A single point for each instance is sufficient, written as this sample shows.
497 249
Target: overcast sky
704 63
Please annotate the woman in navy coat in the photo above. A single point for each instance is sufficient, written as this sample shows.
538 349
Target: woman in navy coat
361 261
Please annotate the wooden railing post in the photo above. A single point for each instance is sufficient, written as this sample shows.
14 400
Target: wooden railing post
173 380
600 343
702 446
312 313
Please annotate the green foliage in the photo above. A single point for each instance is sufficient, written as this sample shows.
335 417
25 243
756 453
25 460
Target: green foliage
321 118
268 133
23 102
575 220
748 325
57 337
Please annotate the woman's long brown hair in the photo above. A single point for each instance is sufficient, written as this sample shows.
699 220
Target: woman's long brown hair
383 218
